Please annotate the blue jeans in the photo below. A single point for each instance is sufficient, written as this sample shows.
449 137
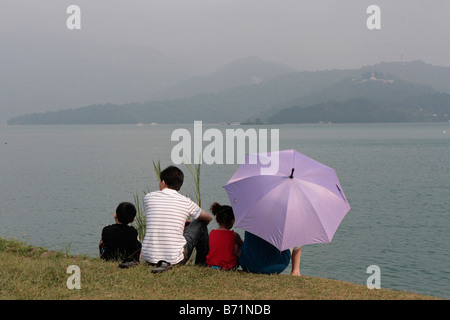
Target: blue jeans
196 235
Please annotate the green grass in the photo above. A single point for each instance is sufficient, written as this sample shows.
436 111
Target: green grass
31 273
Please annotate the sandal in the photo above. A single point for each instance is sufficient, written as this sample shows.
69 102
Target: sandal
162 266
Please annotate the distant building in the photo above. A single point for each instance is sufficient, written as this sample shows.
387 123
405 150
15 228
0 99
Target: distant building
373 78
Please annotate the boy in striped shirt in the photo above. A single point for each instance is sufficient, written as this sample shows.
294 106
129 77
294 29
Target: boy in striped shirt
167 239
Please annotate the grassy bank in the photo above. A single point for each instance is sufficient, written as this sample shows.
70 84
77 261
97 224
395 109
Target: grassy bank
28 272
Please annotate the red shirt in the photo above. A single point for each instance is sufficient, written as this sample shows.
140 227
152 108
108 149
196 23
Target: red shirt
221 249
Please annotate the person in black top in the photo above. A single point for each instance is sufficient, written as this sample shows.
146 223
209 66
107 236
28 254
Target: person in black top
120 241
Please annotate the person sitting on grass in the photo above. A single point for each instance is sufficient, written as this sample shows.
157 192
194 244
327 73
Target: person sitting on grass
168 241
119 241
260 256
224 244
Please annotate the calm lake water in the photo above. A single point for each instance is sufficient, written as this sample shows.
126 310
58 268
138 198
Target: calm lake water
60 186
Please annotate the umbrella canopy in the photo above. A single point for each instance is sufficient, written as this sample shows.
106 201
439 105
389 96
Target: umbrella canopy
303 203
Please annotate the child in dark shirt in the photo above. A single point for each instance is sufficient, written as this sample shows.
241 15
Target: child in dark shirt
120 241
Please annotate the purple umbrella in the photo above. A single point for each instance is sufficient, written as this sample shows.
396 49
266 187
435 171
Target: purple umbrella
303 203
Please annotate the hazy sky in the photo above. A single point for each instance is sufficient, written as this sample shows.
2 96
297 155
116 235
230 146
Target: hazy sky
304 34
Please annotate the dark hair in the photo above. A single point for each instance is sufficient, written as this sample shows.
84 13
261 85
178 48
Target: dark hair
173 177
224 214
126 212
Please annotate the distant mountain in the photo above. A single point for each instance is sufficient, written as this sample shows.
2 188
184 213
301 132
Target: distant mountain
386 88
425 108
239 103
277 99
376 93
369 100
243 72
417 72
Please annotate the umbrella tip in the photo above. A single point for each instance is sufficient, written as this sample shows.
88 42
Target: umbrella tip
292 174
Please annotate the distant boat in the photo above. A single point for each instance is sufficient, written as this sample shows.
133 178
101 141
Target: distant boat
140 124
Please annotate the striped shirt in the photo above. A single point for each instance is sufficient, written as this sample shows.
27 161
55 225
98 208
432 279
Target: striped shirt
166 213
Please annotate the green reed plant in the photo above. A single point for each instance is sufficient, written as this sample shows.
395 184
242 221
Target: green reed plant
139 221
157 168
194 170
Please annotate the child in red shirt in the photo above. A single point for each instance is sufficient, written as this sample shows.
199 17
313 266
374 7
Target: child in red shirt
224 244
